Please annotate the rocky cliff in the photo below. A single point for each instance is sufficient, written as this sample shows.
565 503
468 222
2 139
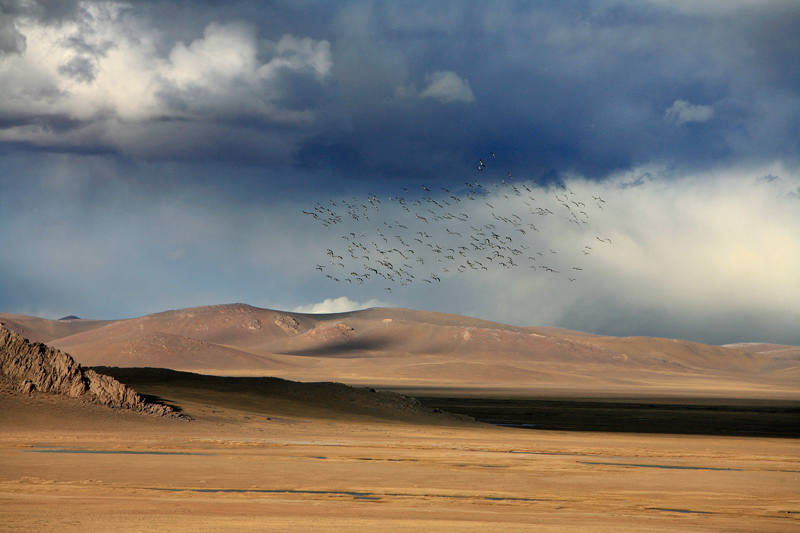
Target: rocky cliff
31 367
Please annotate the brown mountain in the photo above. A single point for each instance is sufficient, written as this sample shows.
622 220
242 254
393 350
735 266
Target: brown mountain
415 349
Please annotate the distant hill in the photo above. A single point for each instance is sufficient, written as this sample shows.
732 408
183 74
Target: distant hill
42 330
399 348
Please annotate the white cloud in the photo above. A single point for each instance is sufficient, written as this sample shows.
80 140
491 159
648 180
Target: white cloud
446 86
108 70
221 74
681 112
710 238
713 257
342 304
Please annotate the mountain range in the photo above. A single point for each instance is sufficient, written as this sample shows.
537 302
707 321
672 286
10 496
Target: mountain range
404 349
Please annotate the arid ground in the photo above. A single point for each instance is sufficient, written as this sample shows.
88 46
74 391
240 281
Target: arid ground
250 462
649 445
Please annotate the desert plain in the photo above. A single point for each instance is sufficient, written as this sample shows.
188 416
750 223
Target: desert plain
250 452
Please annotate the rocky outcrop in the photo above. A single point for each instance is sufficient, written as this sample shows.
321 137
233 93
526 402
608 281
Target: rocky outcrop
336 331
32 367
287 324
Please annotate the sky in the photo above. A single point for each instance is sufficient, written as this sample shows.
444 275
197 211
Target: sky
617 167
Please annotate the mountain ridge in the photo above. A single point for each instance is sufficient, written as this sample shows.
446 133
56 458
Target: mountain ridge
405 347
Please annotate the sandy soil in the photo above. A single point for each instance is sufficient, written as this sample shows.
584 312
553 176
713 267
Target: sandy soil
67 466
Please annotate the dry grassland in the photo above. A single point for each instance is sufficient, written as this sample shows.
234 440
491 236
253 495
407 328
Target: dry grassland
241 465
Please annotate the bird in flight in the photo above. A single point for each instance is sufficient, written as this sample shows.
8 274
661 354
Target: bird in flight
455 242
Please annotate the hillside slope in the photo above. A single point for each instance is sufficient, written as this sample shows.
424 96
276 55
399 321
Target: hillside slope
402 347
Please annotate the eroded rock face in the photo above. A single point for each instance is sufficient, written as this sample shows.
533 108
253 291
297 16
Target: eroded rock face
49 370
287 323
37 367
329 332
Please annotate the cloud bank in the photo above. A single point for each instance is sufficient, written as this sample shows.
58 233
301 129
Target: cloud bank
595 88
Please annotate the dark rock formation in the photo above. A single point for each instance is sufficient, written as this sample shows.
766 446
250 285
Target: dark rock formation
32 367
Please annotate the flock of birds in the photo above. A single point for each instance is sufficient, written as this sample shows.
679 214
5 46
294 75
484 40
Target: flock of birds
431 233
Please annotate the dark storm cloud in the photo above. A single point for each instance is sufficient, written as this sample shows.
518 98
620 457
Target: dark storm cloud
80 69
592 86
12 41
581 85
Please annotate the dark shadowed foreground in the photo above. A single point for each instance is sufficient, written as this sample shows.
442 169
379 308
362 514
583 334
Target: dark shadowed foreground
268 395
668 415
676 416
